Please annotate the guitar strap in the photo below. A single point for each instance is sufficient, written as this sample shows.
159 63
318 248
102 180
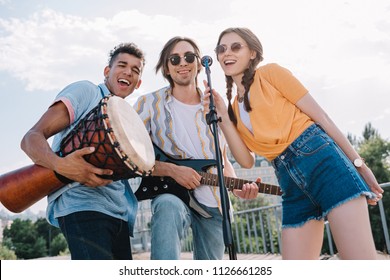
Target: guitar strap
194 205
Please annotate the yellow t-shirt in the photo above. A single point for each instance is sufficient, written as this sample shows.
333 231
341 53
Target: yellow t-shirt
275 119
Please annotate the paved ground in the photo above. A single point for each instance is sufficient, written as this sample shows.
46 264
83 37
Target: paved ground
188 256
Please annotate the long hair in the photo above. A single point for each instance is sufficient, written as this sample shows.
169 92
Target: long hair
254 45
165 53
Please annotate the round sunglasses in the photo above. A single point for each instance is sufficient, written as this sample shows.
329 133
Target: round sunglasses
188 57
235 47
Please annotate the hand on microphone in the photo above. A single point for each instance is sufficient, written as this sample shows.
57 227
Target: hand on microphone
218 101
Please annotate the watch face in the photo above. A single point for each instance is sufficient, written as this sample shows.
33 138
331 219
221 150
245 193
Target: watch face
358 162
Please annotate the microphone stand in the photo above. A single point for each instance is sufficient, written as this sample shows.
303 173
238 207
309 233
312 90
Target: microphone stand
212 119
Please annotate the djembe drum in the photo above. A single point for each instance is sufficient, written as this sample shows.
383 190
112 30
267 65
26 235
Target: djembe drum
121 144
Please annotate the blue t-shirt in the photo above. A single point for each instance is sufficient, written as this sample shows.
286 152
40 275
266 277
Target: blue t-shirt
116 199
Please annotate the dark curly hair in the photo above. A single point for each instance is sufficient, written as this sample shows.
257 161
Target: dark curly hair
129 48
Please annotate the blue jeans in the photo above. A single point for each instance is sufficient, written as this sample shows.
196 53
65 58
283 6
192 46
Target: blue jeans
315 176
96 236
172 218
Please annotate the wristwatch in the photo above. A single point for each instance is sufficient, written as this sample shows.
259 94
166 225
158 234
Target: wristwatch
358 162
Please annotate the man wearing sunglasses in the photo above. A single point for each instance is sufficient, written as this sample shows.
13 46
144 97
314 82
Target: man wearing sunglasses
175 119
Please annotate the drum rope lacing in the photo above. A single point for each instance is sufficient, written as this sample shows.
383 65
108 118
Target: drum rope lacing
96 124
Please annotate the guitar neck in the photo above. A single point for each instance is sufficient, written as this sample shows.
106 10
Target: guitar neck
236 184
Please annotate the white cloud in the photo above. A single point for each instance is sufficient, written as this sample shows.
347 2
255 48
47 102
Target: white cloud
45 50
50 49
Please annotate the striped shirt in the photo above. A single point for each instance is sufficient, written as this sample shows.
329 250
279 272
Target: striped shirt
155 111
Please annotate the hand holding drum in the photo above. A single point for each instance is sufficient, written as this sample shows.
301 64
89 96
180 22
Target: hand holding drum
121 143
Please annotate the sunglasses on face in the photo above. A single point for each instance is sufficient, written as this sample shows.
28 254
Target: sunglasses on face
188 57
235 47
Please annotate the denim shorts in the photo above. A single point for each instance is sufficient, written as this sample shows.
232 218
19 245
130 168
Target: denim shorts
315 176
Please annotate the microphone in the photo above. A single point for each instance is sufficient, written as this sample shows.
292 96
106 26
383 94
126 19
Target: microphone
206 61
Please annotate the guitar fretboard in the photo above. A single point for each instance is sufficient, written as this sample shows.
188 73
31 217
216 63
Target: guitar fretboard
235 183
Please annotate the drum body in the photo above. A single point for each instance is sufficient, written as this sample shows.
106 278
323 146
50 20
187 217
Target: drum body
121 144
119 137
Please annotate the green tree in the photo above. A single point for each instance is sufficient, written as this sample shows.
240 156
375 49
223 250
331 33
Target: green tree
58 245
370 132
6 253
24 240
376 151
48 233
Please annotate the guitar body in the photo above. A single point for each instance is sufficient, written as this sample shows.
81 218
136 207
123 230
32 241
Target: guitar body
153 186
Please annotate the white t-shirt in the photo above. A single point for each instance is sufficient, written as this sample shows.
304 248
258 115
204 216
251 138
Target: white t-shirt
186 133
245 116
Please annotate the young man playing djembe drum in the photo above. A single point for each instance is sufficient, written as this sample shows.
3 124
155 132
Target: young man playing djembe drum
96 215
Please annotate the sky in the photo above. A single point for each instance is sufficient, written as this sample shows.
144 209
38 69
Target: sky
340 51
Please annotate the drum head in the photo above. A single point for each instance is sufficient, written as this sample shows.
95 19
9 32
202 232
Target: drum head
130 132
